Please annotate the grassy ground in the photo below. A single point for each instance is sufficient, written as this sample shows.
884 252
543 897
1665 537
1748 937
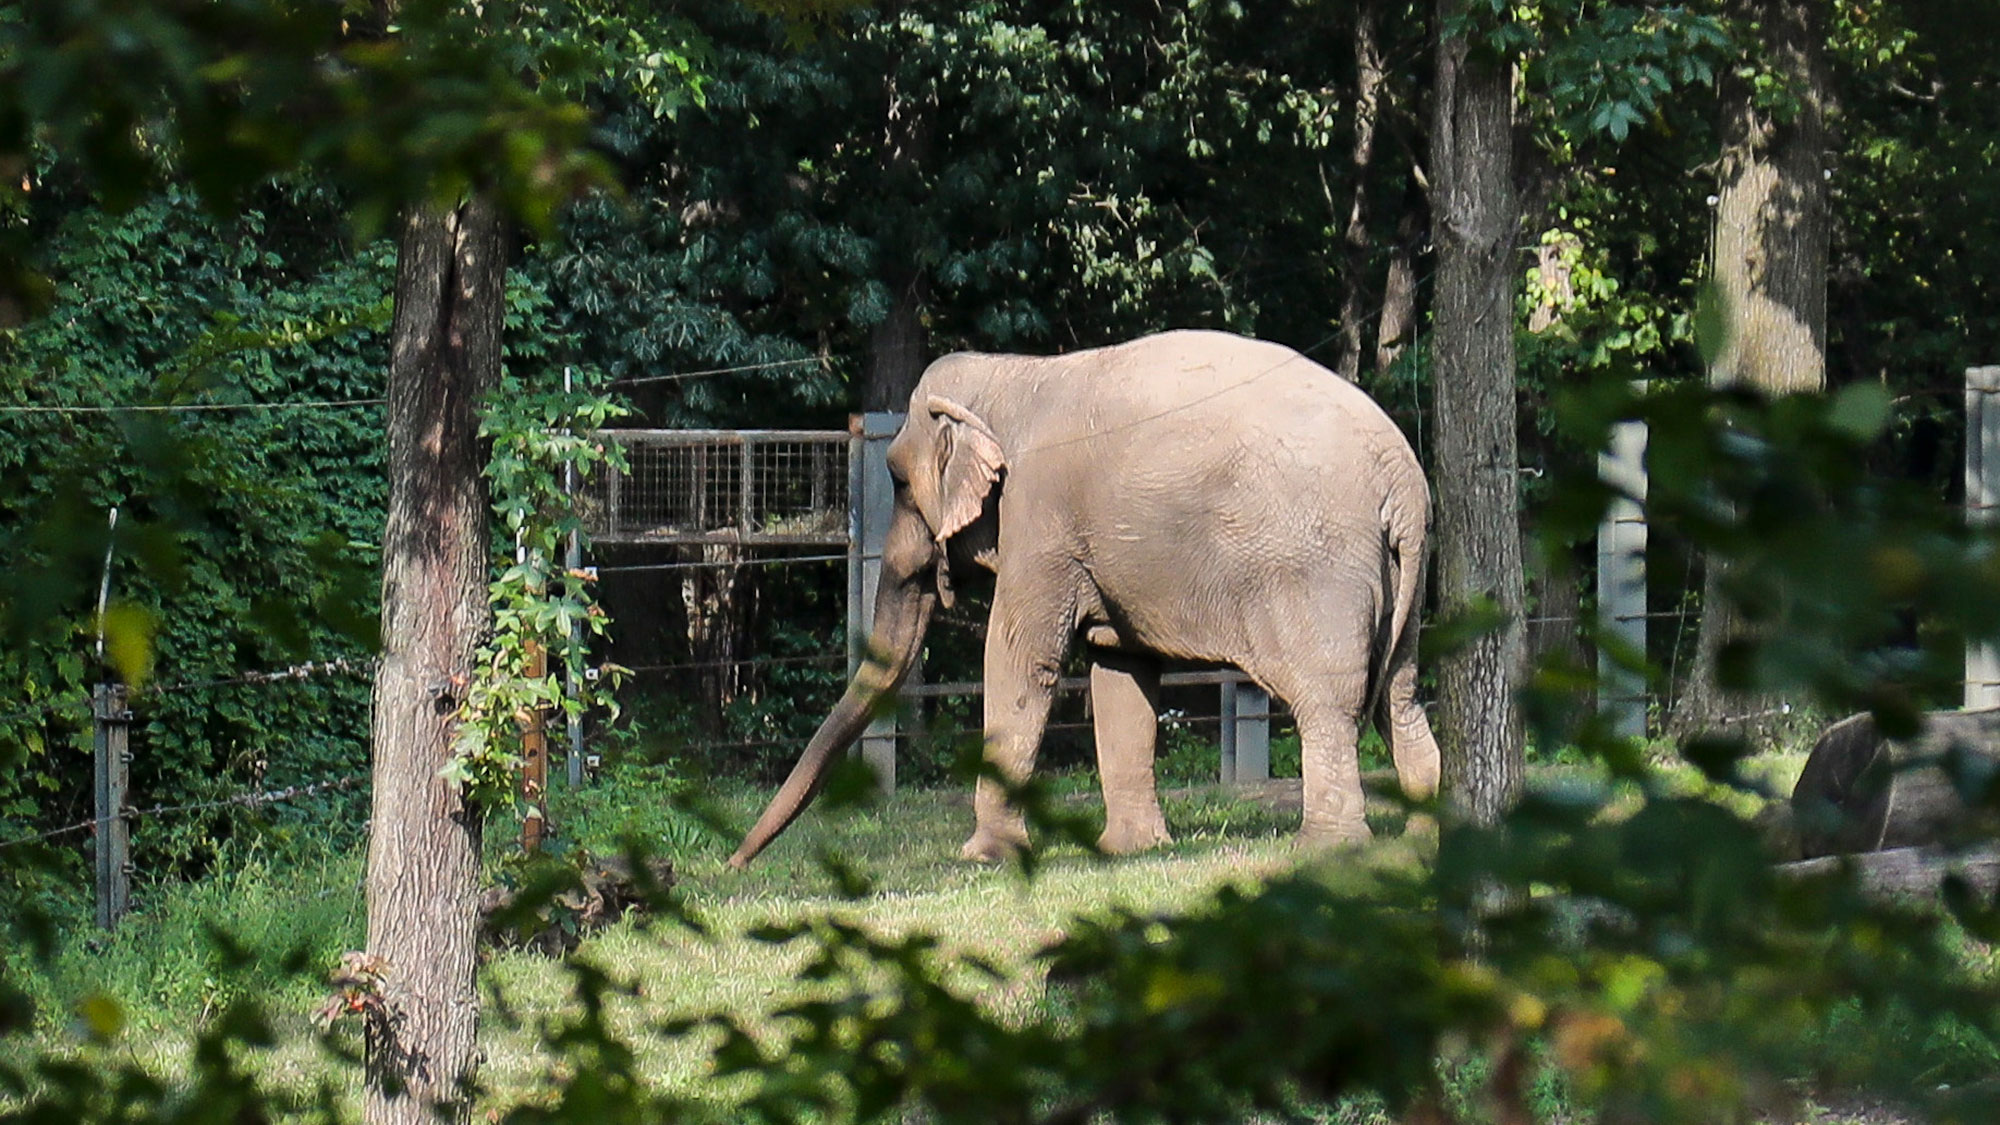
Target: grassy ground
159 970
907 845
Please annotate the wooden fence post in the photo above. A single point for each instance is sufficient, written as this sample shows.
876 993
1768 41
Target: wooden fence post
1982 499
112 722
1621 579
535 759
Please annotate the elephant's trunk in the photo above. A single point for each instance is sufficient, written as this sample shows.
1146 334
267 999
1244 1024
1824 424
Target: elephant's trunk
901 617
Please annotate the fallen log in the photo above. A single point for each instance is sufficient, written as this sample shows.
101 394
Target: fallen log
553 910
1861 792
1905 874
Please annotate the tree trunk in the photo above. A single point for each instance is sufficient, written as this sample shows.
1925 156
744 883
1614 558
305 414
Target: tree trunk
1368 79
897 349
423 855
1772 227
714 598
1399 290
1475 216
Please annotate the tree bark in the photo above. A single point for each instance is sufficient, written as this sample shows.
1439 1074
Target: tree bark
423 854
1772 228
897 348
1399 291
1369 76
1475 213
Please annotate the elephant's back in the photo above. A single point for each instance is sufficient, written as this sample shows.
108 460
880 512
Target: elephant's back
1207 395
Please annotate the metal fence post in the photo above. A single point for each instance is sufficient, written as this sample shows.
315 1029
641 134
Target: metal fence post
1621 579
1982 495
1246 731
1253 732
573 561
112 722
1226 725
873 505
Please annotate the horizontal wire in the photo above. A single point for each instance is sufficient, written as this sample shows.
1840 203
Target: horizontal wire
44 709
249 800
759 662
783 560
192 407
49 835
679 376
253 800
294 674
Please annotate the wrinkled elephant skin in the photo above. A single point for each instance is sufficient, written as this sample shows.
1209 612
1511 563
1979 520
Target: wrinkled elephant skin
1191 496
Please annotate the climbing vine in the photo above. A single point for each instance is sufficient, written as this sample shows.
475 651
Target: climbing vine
540 440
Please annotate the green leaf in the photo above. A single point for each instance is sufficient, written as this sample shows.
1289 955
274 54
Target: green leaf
128 641
1861 410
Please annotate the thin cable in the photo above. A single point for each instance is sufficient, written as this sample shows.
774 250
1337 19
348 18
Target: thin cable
781 561
251 800
635 380
242 800
293 674
44 709
1304 353
49 835
192 407
764 662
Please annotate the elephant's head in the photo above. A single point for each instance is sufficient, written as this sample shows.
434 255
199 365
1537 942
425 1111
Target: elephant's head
946 464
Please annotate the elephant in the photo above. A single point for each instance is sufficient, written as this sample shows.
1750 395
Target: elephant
1193 496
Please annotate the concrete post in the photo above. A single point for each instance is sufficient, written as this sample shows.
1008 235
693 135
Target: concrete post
1982 500
1621 579
1246 732
871 504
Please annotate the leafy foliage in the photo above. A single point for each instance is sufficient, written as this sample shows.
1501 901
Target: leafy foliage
544 615
1060 175
241 561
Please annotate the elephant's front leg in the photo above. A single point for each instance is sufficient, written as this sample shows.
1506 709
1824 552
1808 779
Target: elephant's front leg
1026 638
1125 709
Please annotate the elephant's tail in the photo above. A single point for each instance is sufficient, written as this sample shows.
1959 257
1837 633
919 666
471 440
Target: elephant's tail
1403 531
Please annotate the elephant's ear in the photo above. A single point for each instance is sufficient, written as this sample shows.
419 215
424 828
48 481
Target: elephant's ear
969 462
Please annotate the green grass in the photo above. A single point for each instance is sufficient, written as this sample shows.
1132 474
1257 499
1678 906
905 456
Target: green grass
164 972
907 845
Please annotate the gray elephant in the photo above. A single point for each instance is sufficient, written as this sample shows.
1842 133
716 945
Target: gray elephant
1191 495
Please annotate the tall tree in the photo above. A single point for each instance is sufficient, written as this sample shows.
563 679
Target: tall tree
423 855
1475 214
1768 273
1369 76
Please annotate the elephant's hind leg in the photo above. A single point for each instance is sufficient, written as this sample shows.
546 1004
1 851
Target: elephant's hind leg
1318 662
1124 699
1330 762
1408 731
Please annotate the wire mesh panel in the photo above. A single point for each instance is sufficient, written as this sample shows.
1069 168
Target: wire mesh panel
775 487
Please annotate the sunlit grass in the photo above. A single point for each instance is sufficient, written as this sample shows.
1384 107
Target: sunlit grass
905 846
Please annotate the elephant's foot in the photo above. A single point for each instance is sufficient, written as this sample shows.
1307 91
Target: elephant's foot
991 846
1421 826
1326 834
1123 836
